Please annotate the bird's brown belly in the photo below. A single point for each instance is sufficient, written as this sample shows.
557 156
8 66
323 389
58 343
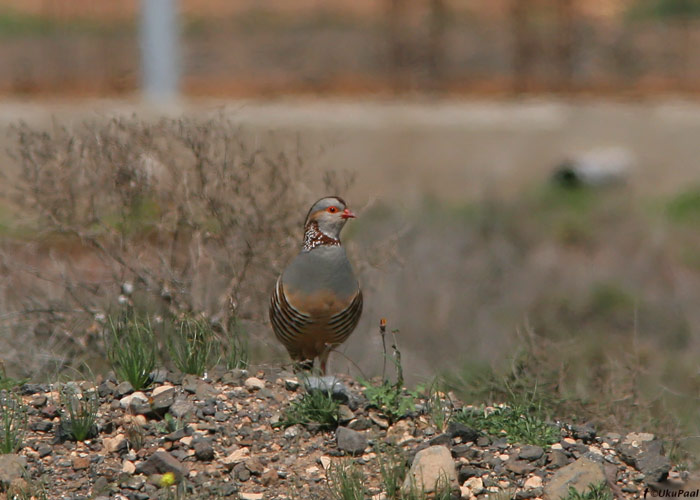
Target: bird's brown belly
317 335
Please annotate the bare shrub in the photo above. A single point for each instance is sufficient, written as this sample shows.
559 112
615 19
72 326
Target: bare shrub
178 215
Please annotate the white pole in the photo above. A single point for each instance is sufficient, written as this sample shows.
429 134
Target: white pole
159 50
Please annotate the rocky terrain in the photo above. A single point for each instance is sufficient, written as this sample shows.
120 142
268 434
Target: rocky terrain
229 435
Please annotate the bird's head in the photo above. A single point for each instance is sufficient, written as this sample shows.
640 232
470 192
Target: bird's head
330 215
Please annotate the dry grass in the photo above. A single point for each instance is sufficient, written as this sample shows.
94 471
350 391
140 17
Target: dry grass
175 216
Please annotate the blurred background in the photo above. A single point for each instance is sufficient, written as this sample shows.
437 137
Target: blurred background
526 174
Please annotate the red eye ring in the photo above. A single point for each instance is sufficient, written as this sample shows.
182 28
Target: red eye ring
332 209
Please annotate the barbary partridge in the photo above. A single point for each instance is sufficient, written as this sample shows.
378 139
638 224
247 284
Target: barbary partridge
317 300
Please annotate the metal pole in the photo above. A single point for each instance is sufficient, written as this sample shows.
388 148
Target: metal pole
159 50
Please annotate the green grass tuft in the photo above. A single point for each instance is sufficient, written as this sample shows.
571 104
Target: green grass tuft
346 482
131 348
520 424
79 416
595 492
13 422
193 346
315 407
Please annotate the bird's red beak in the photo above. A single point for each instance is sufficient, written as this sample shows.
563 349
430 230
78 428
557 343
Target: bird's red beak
347 214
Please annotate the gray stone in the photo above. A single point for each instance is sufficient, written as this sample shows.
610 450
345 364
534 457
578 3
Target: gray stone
530 452
351 441
328 384
585 432
655 467
458 430
181 408
12 466
441 439
557 459
163 401
578 475
519 467
430 468
123 389
469 471
483 441
160 463
203 450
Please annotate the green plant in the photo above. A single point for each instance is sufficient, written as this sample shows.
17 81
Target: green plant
170 424
79 415
522 424
439 406
237 352
13 422
345 482
598 491
391 398
131 348
392 469
193 346
315 407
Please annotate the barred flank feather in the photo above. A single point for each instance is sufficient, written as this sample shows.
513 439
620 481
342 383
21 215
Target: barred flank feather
299 331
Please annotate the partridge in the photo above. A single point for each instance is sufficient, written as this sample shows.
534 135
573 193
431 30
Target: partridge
317 300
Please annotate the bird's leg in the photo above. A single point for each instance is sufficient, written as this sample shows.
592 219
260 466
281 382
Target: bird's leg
323 358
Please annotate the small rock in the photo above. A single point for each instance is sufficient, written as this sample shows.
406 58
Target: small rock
127 401
250 496
483 441
441 440
519 467
80 463
467 472
123 389
236 457
584 432
128 467
430 466
530 452
255 467
203 450
380 422
579 475
327 384
325 462
557 459
350 441
466 434
254 383
115 444
291 384
533 482
181 407
292 431
345 415
44 450
475 484
160 463
269 478
12 466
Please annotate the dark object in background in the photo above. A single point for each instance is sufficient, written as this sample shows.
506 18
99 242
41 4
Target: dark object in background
597 168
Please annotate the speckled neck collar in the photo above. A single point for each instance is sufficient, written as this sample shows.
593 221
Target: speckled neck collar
314 237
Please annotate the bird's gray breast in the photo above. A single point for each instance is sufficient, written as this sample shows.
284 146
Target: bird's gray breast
323 268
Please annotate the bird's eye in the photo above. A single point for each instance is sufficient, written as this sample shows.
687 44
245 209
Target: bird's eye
332 210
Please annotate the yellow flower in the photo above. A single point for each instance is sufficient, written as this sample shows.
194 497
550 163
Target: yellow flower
168 479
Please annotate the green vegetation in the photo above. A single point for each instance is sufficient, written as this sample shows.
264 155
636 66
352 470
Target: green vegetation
131 348
237 350
315 407
392 468
79 414
346 482
684 208
193 345
595 492
664 9
391 398
522 425
14 23
13 422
